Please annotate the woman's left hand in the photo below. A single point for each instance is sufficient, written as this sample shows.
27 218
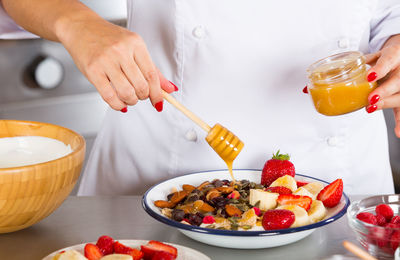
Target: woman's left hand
386 68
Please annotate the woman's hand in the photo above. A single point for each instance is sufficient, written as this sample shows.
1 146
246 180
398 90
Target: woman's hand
386 68
115 61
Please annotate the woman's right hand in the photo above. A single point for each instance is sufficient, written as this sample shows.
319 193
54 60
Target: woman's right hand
116 61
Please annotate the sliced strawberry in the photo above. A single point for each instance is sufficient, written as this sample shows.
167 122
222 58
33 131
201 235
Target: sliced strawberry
331 194
120 248
136 254
301 183
367 218
92 252
279 189
106 245
148 252
384 210
162 255
163 247
277 219
299 200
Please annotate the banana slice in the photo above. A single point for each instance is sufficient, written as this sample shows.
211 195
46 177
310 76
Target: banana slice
303 192
314 188
69 255
286 181
267 199
300 214
317 211
117 257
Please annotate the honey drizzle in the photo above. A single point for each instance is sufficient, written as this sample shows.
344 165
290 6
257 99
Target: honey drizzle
226 145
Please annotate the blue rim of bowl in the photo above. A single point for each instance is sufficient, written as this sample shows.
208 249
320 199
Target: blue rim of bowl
211 231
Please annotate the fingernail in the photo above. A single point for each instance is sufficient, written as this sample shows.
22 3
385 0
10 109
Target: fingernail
124 110
159 106
372 76
175 87
371 108
305 90
374 99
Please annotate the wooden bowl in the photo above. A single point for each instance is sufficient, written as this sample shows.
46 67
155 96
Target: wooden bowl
30 193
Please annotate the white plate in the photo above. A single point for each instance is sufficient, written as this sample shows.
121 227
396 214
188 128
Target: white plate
230 238
184 253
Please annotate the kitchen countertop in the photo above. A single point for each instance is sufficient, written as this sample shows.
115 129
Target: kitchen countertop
83 219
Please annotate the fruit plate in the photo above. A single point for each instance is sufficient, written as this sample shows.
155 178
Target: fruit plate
184 253
231 238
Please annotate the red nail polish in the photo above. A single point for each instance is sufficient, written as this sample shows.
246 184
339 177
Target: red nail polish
372 76
159 106
305 90
374 99
175 87
371 108
124 110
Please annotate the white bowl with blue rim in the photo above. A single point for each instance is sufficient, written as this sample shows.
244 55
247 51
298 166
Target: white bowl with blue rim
232 238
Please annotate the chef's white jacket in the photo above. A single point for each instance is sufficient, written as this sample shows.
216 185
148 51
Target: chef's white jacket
243 64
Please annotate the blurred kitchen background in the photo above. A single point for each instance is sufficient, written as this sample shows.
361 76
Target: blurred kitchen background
40 82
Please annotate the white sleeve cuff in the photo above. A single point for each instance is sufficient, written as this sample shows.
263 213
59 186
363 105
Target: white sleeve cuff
10 30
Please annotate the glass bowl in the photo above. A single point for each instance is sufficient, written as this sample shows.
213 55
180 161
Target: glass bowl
379 241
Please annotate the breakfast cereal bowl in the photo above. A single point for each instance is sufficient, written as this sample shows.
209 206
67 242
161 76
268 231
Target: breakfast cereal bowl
380 241
240 239
30 193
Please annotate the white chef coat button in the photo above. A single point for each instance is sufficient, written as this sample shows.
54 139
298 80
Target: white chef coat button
199 32
343 43
191 135
333 141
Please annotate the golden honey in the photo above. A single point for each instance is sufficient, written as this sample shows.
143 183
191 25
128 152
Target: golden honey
225 144
338 84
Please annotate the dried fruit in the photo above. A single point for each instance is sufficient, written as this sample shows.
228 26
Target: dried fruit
232 210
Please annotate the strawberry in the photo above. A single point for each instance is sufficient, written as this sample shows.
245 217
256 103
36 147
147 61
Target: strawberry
331 194
92 252
120 248
380 220
153 247
163 247
276 167
106 245
277 219
384 210
301 183
395 220
162 255
299 200
279 189
367 218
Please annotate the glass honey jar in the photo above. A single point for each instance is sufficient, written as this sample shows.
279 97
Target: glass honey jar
338 83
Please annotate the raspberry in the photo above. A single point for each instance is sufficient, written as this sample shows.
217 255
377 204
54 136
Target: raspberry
381 220
367 218
395 220
384 210
208 220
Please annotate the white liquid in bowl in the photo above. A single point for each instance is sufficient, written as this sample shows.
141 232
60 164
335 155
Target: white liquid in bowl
28 150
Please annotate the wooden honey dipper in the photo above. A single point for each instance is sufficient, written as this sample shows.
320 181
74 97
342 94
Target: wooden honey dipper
225 143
